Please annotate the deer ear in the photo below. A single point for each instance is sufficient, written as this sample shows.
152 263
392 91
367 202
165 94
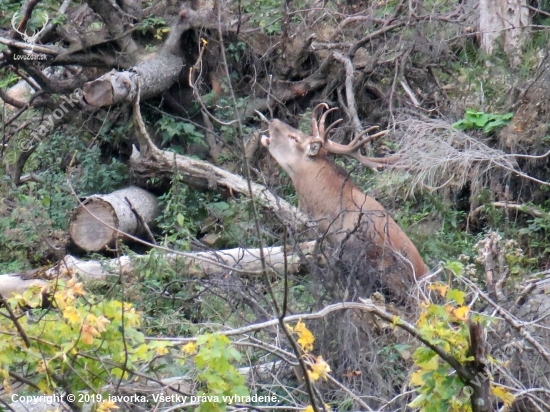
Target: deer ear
313 149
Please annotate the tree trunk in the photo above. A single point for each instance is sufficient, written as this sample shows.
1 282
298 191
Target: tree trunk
195 264
156 75
509 18
121 211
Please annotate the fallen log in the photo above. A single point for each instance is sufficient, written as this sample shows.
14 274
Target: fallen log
201 174
130 210
153 74
193 264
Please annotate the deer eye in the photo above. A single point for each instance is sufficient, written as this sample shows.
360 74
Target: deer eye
293 137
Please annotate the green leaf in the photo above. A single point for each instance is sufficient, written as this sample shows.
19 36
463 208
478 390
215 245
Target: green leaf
423 355
456 295
456 267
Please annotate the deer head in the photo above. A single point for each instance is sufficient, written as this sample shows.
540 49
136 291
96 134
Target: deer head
291 147
32 38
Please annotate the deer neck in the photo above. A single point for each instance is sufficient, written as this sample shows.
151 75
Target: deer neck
323 190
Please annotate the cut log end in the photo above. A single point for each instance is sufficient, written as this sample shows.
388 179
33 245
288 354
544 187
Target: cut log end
125 213
88 232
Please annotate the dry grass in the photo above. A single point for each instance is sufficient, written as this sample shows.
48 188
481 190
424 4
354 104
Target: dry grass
437 155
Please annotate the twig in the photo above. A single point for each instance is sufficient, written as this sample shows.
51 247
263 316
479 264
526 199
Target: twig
53 50
519 326
350 97
49 27
462 371
15 321
350 393
287 319
544 13
147 148
142 221
409 92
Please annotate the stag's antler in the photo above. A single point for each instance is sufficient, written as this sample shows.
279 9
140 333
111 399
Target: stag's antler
352 149
28 39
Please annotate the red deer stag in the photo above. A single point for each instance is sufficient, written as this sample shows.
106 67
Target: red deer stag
356 226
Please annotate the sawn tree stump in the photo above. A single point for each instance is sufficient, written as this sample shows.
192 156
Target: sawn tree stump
100 219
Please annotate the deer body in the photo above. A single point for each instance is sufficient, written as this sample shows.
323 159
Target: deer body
347 217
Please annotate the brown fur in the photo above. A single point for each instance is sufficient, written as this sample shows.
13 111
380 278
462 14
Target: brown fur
348 217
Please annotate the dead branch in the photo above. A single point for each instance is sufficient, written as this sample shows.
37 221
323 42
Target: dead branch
193 264
350 92
520 327
530 210
53 50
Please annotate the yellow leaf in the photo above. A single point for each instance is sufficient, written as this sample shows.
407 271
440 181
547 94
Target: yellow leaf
449 308
313 376
106 406
41 366
309 409
71 314
319 369
430 365
417 378
461 313
440 288
78 289
305 337
7 386
162 351
189 348
60 300
503 394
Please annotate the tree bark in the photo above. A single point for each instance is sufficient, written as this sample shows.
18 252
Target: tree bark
120 211
509 18
481 396
201 174
156 74
195 264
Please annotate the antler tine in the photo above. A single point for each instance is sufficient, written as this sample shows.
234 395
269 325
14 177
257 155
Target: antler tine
14 21
359 141
322 131
332 125
374 163
352 150
314 125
